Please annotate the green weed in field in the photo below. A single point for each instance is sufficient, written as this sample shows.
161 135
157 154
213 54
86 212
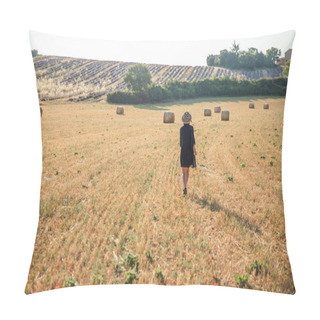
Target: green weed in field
98 278
160 275
148 254
217 280
258 267
69 282
119 268
130 277
242 280
132 259
230 179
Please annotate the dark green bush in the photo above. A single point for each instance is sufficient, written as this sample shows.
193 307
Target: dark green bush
225 87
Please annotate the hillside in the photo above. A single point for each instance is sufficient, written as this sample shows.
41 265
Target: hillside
81 79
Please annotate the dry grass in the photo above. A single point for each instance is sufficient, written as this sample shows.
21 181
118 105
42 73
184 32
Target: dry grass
112 186
53 88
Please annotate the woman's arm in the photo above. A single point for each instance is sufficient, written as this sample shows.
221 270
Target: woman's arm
193 143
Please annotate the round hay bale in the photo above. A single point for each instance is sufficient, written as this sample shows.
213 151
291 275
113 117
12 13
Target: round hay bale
168 117
225 115
217 109
120 110
41 111
266 106
207 112
251 105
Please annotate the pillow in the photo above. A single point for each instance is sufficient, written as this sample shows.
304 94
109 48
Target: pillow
161 163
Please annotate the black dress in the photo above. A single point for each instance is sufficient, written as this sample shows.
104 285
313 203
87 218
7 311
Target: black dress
186 143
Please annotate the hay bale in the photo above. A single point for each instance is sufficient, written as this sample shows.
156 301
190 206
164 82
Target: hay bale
168 117
251 105
41 111
266 106
217 109
207 112
225 115
120 110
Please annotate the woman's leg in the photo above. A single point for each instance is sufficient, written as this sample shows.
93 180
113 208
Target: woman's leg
187 175
184 177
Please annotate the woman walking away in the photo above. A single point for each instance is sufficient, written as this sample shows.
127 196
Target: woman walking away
188 148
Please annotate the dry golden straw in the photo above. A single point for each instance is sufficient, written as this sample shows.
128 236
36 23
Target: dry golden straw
120 110
111 187
225 115
217 109
168 117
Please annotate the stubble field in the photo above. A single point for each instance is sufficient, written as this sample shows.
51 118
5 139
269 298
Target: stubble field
112 209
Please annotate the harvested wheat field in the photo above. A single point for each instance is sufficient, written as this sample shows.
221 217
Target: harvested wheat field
112 209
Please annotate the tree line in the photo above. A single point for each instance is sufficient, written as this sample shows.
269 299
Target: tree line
240 59
138 80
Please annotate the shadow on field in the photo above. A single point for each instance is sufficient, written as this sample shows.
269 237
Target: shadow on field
215 206
150 107
164 106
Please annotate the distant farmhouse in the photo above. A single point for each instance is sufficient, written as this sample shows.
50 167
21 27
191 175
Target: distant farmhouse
287 56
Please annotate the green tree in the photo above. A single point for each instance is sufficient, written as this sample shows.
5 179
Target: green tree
261 60
250 60
273 54
210 60
286 68
228 59
235 48
253 51
138 78
34 53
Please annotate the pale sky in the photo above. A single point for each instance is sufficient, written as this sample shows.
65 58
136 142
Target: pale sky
193 53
